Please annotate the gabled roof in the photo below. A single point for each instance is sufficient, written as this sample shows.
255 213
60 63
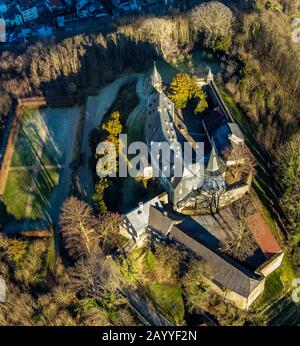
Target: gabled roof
161 221
225 273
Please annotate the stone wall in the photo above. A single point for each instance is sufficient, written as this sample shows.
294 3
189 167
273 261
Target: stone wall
272 264
233 195
202 205
241 302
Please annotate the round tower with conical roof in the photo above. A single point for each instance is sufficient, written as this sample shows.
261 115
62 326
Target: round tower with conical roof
156 80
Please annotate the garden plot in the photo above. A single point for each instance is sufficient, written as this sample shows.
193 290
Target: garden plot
39 173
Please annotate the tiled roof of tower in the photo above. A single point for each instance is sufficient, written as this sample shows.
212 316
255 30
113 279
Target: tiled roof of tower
215 164
156 77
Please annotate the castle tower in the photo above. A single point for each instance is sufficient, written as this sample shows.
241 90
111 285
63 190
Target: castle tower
156 80
210 76
215 164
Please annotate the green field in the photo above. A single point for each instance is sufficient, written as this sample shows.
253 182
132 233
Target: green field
168 300
28 139
15 195
44 139
166 297
45 183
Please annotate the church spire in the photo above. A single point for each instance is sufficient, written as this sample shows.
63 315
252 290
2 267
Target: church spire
210 76
156 80
215 163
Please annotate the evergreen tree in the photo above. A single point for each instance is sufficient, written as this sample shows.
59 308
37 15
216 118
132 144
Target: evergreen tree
180 90
113 126
184 88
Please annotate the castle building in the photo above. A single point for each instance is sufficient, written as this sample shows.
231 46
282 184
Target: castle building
190 225
160 129
204 173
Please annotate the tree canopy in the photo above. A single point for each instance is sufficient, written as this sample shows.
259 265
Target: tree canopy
184 88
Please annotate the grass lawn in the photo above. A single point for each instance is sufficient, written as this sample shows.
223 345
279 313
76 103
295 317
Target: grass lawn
166 297
59 123
168 300
15 195
45 183
51 156
277 283
28 139
273 290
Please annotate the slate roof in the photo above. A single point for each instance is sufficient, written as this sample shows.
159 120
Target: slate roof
160 128
227 274
156 77
139 217
160 221
215 164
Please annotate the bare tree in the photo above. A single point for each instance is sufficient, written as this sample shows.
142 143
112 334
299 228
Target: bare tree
241 243
214 19
18 308
109 231
195 283
88 279
244 161
210 199
170 259
78 227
